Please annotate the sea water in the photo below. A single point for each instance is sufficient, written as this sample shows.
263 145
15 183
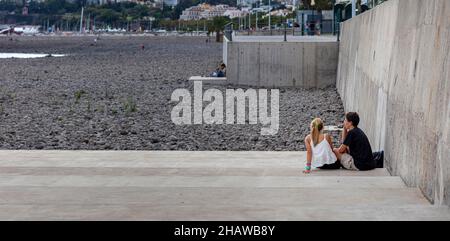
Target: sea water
27 56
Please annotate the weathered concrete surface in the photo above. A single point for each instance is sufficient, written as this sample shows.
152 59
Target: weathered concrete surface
146 185
274 32
394 69
269 62
275 39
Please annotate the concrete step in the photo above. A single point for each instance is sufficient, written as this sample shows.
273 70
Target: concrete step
152 159
192 172
202 181
223 212
163 163
161 185
170 203
204 196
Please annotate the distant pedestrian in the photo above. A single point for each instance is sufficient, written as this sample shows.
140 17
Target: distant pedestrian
220 71
142 46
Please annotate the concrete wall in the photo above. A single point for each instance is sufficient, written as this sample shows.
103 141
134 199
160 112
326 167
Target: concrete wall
225 50
282 64
394 69
275 32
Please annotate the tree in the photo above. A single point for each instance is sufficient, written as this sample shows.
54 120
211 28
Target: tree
7 5
109 15
319 4
218 25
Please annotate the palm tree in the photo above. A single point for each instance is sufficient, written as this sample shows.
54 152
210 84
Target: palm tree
319 4
218 25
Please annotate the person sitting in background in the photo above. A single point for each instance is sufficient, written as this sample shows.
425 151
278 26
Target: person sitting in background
319 149
355 153
220 71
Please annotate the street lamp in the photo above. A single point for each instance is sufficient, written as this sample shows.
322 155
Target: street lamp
313 3
270 26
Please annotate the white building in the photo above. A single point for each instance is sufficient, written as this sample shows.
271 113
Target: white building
206 11
216 11
234 13
193 13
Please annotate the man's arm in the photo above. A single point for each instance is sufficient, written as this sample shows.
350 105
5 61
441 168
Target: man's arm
344 134
342 149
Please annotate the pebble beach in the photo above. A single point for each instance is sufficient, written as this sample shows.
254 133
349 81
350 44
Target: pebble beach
115 94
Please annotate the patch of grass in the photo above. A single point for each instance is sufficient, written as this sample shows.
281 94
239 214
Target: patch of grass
78 94
89 106
130 105
11 96
100 109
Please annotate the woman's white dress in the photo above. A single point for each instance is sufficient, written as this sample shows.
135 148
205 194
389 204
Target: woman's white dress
322 154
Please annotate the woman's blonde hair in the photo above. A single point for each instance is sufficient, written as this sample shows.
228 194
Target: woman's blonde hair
316 128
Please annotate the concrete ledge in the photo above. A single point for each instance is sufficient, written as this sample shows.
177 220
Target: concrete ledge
207 79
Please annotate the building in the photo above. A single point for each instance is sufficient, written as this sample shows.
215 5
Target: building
147 2
216 11
194 12
206 11
234 13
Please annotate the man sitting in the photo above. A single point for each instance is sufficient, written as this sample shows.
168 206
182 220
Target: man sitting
220 71
355 153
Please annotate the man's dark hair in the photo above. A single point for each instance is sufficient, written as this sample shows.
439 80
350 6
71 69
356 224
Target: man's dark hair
352 117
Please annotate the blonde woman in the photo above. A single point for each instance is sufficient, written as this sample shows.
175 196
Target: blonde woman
319 149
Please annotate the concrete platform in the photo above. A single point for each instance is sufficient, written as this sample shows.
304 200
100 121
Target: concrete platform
280 38
162 185
207 79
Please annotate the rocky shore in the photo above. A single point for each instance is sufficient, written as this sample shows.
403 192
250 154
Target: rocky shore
114 94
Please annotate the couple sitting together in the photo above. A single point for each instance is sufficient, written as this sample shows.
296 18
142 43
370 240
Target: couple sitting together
355 153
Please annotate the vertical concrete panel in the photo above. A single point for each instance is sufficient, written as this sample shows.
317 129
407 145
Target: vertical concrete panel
326 71
289 67
225 51
380 124
309 66
266 69
299 70
232 62
280 64
288 52
393 69
249 58
443 160
274 62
